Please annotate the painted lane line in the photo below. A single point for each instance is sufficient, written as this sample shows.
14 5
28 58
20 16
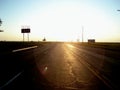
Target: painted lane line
11 80
104 79
22 49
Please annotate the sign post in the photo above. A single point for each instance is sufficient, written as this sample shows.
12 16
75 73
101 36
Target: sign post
28 36
25 30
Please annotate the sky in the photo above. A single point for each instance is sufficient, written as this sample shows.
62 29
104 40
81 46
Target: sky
61 20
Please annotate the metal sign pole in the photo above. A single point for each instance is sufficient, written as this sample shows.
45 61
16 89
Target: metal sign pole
25 30
28 36
82 34
23 37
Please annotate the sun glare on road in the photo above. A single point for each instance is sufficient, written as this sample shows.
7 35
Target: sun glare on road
70 46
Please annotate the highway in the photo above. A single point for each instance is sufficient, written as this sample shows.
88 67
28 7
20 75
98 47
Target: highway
59 66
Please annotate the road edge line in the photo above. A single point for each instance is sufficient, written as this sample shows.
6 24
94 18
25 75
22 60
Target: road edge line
23 49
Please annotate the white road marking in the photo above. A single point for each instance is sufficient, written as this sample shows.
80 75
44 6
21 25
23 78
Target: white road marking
11 80
105 80
22 49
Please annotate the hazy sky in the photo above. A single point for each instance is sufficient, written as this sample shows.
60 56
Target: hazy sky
61 19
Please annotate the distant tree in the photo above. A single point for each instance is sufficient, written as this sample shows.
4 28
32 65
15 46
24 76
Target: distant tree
44 39
118 10
0 22
0 25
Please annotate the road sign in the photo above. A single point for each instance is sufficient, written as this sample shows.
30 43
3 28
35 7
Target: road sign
25 30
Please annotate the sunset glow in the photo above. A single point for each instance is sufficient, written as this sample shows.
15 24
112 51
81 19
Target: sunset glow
61 20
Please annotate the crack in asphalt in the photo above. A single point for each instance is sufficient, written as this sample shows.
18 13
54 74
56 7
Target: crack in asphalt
104 79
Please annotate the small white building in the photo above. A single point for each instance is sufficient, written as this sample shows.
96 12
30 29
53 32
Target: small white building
91 40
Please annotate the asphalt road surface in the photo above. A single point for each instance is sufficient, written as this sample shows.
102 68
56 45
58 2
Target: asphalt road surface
59 66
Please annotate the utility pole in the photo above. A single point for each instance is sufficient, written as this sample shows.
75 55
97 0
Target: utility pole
82 34
118 10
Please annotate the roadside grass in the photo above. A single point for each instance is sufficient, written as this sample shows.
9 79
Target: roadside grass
7 47
104 45
111 50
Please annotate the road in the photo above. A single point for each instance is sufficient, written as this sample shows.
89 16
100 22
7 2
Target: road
60 66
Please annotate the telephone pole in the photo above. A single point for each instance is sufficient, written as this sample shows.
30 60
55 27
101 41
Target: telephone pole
82 34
